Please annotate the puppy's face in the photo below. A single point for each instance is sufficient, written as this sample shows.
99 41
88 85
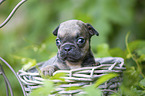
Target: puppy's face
73 40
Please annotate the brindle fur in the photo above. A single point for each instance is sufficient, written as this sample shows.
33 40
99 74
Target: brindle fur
79 55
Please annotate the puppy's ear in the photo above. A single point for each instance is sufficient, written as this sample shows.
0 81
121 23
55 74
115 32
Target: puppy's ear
55 31
92 30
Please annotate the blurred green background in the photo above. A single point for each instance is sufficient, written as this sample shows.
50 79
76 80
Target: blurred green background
29 33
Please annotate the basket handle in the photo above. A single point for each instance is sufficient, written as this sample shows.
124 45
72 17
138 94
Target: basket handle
6 80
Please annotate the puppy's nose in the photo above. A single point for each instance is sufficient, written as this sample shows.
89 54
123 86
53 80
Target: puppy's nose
67 48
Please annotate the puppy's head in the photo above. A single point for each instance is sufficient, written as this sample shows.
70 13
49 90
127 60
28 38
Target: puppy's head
73 40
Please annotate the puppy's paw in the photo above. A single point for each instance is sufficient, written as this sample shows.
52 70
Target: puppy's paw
48 70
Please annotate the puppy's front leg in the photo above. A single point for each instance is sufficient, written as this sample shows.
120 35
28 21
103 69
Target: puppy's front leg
49 70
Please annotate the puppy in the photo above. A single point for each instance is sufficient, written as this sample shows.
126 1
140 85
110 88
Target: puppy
74 51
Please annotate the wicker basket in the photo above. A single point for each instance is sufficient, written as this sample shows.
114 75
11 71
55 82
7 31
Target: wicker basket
80 77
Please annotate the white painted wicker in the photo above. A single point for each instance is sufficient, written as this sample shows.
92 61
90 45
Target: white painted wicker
80 77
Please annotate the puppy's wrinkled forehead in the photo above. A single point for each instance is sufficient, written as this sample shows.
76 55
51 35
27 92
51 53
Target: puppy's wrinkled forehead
71 28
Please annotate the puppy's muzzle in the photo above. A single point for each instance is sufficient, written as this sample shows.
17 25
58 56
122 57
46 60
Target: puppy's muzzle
68 48
70 52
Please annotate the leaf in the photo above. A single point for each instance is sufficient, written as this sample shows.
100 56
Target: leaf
141 51
131 91
58 76
138 44
128 56
28 62
45 90
141 58
137 92
103 50
92 91
104 78
117 52
73 88
132 75
142 83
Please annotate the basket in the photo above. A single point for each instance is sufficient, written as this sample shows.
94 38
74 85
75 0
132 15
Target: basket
84 76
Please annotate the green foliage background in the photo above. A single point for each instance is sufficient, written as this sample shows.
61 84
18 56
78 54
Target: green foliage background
29 34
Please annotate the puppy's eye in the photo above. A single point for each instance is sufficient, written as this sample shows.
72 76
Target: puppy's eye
58 42
81 41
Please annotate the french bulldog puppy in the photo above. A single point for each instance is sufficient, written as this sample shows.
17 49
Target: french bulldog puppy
74 51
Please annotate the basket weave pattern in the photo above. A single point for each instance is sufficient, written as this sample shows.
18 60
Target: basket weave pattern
80 77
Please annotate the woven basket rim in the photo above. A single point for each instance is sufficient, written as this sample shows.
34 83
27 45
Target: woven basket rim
85 75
